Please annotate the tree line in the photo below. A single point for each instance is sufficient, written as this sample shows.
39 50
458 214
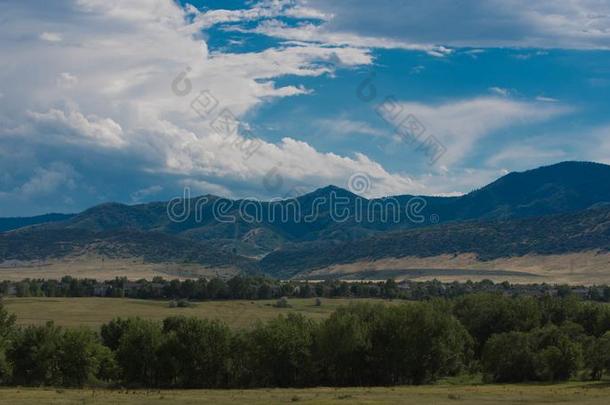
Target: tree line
253 288
504 339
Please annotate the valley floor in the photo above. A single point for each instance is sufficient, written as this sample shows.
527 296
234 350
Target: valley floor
96 267
567 393
582 268
94 311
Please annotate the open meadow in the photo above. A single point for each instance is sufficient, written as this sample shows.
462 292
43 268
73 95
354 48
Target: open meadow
566 393
93 311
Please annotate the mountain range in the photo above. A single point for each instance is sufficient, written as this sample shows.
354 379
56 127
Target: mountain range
553 210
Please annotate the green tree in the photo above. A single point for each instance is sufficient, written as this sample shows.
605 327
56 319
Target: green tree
343 344
559 310
80 357
7 330
593 317
557 355
279 351
34 355
138 352
112 332
390 289
486 314
371 344
217 289
597 355
508 357
416 344
195 353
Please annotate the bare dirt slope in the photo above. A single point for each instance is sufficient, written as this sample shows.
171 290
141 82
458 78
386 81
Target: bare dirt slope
585 268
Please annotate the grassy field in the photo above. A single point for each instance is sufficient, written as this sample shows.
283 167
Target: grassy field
568 393
96 267
93 312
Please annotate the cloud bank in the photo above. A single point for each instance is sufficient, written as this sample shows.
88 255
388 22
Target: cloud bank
89 113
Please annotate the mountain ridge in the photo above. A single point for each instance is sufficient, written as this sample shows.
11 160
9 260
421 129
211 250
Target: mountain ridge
490 192
198 235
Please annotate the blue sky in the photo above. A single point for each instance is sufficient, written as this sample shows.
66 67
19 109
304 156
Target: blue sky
88 113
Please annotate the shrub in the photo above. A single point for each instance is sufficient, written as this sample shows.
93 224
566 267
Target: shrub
282 303
181 303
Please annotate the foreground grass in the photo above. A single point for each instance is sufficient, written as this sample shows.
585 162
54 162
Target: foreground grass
568 393
92 312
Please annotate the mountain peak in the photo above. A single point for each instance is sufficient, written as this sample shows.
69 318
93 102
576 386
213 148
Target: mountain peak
562 187
327 190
